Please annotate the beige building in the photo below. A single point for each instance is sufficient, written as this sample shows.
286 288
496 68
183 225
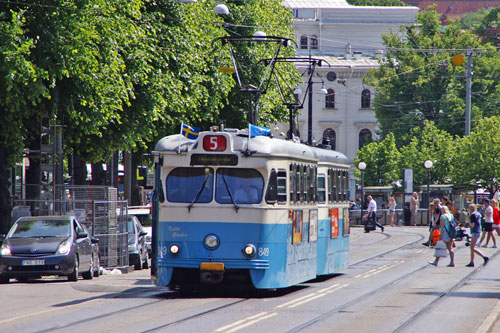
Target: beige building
349 38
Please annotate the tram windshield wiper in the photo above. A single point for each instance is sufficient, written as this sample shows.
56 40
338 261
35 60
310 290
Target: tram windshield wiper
236 207
197 196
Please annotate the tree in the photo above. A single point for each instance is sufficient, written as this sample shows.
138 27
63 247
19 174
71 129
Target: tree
475 163
382 160
428 143
417 82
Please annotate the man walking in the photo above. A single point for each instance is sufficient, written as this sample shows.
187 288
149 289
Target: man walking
371 216
413 208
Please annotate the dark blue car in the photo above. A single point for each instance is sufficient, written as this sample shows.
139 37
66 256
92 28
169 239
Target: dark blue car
46 245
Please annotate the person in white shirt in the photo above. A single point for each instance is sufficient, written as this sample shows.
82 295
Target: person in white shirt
371 216
488 224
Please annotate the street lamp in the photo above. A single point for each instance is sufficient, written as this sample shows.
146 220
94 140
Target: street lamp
428 166
362 167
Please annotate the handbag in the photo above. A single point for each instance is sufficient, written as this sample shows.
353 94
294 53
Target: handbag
440 250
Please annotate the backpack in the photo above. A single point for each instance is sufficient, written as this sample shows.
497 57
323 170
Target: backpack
453 228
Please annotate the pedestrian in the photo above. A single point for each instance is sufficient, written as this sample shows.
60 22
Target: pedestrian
435 210
496 216
444 227
475 232
371 216
413 208
392 210
488 224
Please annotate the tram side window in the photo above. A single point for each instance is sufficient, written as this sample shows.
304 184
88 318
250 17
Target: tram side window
292 183
312 183
345 185
272 188
190 185
281 186
339 185
244 186
330 187
321 188
307 181
298 183
161 194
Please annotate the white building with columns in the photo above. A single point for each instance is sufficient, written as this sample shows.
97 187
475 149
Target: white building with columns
349 39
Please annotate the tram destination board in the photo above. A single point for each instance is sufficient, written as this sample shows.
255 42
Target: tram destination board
214 159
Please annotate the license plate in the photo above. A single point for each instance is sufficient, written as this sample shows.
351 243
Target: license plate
212 266
33 262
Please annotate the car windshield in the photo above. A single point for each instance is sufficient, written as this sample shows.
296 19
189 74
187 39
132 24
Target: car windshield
243 185
40 228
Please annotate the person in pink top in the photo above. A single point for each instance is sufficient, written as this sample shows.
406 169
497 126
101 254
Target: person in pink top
496 216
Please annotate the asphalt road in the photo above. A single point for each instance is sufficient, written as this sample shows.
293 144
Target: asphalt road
389 287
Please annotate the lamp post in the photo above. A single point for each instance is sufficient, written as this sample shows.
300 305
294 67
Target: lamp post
362 167
428 166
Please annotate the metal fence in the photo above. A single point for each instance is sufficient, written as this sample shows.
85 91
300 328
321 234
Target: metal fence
95 207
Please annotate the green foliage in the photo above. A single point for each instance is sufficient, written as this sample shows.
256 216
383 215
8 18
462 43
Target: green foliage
415 86
382 160
472 20
475 161
489 27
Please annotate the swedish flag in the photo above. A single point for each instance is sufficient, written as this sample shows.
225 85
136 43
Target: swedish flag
190 132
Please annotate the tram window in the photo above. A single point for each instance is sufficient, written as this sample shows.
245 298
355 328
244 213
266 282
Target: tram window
281 186
272 188
307 181
292 183
329 185
190 185
321 188
161 194
339 185
245 186
346 184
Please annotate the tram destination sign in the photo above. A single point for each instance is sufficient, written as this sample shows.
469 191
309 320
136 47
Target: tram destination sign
214 159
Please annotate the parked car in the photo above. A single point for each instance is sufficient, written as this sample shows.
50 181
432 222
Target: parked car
46 245
149 236
96 262
137 252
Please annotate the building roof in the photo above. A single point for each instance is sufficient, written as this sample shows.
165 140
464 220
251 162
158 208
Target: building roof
316 3
454 9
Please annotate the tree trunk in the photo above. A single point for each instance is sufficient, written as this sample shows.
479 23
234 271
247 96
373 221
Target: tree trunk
5 200
98 174
78 170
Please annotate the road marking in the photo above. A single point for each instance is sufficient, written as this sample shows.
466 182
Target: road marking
305 299
379 269
489 321
44 312
238 325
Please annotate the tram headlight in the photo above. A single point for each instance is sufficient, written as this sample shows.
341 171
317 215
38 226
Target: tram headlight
249 250
174 249
211 242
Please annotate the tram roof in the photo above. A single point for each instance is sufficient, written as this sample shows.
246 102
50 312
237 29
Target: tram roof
258 146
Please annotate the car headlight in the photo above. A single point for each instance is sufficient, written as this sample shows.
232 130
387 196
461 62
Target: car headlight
6 250
64 247
211 242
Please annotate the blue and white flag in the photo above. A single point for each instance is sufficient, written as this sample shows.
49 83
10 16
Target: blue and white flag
254 131
190 132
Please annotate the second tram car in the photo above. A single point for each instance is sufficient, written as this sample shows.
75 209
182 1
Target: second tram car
230 207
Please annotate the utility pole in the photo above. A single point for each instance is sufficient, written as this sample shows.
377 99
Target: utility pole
468 88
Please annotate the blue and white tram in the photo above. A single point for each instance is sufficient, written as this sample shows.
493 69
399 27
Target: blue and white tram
228 207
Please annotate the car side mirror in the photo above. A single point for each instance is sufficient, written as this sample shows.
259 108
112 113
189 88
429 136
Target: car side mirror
82 235
94 240
143 233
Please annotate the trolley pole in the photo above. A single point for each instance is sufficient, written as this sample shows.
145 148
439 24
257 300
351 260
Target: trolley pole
468 89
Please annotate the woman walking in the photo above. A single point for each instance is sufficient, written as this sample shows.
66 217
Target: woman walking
475 232
496 217
444 226
392 210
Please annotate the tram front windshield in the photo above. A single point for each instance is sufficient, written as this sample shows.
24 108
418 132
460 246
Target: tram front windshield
232 186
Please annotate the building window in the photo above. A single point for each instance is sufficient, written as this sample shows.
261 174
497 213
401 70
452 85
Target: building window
365 99
365 137
303 42
330 99
314 42
330 137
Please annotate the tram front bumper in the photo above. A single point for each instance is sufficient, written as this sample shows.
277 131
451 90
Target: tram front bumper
211 272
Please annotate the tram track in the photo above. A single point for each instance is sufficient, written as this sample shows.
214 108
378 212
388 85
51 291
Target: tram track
423 310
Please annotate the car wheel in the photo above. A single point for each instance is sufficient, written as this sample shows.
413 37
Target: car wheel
90 274
74 276
138 264
146 262
97 271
